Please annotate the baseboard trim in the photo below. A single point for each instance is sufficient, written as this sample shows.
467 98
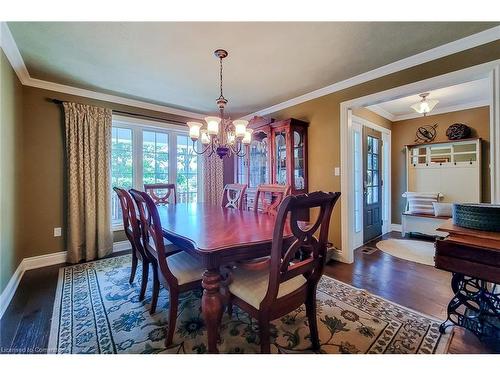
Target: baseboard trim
396 227
10 288
121 246
40 261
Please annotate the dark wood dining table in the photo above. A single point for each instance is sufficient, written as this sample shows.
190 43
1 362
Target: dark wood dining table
216 236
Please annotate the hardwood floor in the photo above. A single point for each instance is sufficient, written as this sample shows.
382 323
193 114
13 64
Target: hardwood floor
25 326
417 286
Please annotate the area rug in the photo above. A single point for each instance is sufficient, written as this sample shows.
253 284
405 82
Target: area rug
96 310
415 251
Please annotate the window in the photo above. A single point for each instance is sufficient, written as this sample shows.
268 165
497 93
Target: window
149 152
121 166
154 157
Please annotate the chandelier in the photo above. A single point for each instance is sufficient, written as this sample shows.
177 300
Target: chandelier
221 136
425 105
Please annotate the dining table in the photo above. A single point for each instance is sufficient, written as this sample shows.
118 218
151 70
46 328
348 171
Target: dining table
217 236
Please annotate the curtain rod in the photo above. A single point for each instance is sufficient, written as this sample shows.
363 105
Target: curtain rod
57 101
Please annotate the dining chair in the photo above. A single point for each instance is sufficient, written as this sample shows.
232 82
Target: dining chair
288 282
269 196
152 190
233 195
131 226
178 272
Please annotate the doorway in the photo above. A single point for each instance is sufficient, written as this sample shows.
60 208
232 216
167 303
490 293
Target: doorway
372 180
372 184
490 70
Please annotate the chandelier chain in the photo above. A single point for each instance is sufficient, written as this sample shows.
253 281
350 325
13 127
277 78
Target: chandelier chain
222 96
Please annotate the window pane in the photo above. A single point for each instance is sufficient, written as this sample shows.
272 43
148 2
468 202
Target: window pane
187 167
154 157
121 168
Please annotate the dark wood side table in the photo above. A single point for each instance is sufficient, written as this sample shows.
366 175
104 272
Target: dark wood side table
473 257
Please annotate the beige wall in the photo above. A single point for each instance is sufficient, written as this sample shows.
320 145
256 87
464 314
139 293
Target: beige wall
323 115
10 169
403 133
372 117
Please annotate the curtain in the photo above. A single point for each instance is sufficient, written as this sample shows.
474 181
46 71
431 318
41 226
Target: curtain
88 157
213 179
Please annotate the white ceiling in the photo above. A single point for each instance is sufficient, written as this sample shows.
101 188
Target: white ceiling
172 63
465 95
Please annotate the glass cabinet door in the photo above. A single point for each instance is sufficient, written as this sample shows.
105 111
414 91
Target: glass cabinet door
258 159
298 161
280 158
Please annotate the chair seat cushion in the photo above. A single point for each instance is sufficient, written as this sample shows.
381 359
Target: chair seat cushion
251 285
185 267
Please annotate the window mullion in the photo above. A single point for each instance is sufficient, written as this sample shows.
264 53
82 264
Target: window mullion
172 158
138 158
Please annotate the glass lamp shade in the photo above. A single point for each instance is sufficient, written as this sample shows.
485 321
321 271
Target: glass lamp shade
425 106
194 129
205 138
212 124
247 139
231 138
240 127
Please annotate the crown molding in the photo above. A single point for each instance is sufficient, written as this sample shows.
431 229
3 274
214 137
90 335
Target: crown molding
453 108
381 112
10 49
459 45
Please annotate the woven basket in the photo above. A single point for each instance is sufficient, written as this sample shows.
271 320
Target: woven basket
477 216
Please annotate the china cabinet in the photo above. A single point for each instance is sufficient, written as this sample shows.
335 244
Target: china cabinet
277 155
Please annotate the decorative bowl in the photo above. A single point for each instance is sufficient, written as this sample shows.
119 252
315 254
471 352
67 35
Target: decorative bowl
480 216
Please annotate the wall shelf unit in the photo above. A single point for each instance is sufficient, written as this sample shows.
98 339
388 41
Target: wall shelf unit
452 168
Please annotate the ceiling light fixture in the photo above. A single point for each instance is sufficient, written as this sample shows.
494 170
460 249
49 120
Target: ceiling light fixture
425 105
220 136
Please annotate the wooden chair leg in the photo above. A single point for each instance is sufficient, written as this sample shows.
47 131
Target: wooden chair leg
312 319
144 281
156 289
264 334
172 317
134 267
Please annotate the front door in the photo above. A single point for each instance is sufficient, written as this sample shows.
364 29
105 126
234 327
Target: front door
372 184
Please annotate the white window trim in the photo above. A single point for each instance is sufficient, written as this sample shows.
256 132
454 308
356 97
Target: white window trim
137 126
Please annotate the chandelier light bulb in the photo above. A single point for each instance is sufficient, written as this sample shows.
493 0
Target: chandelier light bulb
194 129
247 139
231 138
213 124
240 127
205 138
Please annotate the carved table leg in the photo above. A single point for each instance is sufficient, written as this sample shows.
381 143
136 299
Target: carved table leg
211 305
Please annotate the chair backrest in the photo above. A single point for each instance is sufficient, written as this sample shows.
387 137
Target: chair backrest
269 196
284 264
152 230
233 195
167 198
131 224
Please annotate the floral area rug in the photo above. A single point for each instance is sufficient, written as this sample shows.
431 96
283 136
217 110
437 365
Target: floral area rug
97 311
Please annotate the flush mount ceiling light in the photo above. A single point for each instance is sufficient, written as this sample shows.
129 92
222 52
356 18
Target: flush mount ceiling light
221 136
425 105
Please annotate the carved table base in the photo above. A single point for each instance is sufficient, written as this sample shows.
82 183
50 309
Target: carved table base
211 305
476 307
